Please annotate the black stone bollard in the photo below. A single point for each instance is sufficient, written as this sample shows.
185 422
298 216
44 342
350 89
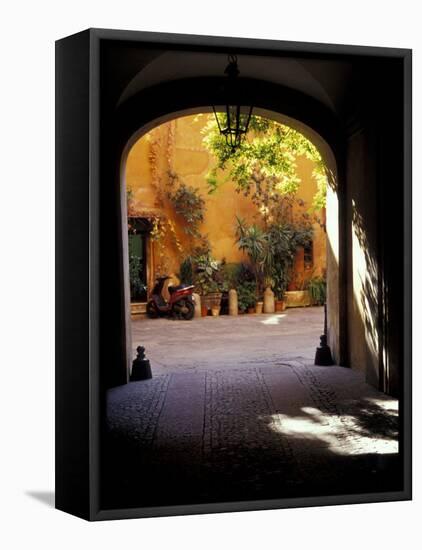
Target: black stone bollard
323 353
141 368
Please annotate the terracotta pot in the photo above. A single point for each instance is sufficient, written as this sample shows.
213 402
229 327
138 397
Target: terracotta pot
204 310
280 305
251 309
258 307
215 311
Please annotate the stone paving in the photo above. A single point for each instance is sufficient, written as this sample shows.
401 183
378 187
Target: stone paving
267 427
225 342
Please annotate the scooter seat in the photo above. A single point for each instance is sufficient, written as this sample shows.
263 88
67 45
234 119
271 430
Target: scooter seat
173 289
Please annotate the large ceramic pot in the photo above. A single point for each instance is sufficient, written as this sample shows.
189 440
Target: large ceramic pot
212 299
215 311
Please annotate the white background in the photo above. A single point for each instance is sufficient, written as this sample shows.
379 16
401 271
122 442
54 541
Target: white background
28 32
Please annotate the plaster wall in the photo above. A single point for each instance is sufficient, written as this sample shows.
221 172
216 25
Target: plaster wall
362 262
332 258
177 146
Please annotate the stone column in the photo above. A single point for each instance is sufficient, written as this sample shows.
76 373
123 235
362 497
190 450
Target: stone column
233 306
197 299
269 303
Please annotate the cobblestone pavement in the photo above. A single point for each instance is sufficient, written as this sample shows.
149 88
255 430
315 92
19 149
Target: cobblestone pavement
225 342
285 429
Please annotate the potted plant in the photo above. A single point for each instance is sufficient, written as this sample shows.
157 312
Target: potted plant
206 269
299 297
253 241
280 304
213 297
280 285
317 288
246 296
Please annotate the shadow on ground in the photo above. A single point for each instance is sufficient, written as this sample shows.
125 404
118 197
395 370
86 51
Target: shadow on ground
45 497
282 432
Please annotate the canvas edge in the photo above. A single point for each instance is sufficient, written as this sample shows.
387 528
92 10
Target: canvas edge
96 35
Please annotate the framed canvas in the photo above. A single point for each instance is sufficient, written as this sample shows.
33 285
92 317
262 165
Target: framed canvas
233 281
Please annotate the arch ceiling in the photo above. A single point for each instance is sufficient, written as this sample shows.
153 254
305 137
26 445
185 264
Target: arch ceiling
312 77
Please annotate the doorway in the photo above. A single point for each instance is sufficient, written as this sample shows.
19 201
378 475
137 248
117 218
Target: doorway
138 235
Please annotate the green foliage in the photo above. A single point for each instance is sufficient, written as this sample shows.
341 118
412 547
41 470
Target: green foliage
319 174
229 273
235 274
254 242
205 273
272 251
246 295
136 285
285 240
245 273
265 165
186 271
317 288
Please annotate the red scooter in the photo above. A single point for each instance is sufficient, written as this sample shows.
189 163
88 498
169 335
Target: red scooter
180 306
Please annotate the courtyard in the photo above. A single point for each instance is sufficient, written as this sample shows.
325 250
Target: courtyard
225 342
236 410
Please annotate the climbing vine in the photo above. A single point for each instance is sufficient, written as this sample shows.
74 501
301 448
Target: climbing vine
170 192
187 203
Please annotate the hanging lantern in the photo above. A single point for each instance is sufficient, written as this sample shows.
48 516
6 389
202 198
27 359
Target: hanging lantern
234 123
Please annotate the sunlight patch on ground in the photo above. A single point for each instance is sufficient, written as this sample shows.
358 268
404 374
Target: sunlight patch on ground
342 434
273 320
391 406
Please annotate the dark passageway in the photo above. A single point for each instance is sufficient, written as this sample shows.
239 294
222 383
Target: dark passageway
288 430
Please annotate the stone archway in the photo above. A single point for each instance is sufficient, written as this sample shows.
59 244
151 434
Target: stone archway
365 298
170 100
332 227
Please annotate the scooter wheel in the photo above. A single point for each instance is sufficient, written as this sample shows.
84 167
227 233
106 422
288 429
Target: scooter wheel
185 310
152 311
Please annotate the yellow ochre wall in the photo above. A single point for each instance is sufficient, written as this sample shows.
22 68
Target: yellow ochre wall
177 146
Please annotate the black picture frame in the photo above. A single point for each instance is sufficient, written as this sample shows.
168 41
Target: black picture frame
89 337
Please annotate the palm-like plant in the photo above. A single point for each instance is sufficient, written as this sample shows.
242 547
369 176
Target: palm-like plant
317 288
255 243
272 252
